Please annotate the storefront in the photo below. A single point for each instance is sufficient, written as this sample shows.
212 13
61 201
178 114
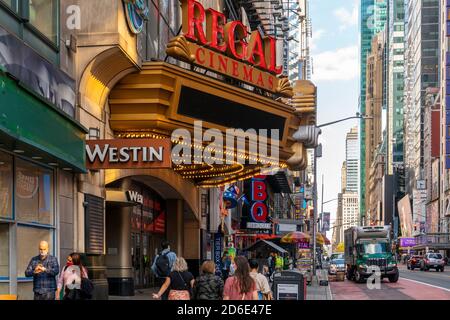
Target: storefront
41 149
190 90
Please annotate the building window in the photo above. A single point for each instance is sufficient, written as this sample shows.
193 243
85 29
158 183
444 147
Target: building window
28 239
4 251
44 17
6 185
34 194
12 4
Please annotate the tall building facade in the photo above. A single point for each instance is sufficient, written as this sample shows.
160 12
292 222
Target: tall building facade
396 34
373 15
421 72
375 93
352 160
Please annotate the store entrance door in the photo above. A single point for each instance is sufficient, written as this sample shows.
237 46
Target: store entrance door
141 260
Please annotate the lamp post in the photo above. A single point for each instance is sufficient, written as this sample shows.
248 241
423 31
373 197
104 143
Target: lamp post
357 116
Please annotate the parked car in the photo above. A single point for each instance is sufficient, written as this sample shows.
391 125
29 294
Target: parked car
336 265
432 261
413 262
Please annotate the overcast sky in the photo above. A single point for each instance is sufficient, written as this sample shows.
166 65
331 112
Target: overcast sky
335 56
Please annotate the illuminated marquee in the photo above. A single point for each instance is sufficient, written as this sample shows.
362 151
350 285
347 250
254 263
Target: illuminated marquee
224 48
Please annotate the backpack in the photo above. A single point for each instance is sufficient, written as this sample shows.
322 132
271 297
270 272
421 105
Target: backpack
87 288
162 266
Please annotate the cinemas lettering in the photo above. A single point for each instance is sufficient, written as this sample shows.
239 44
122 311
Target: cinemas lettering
228 48
128 153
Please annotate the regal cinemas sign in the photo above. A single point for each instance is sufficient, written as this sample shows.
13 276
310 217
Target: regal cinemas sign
228 48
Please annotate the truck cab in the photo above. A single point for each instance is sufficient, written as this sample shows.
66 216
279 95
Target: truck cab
368 250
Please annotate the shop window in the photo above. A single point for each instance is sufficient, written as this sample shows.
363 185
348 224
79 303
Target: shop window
6 185
4 251
44 17
12 4
34 194
28 239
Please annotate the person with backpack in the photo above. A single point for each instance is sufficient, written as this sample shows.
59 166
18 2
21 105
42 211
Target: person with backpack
179 283
163 265
71 280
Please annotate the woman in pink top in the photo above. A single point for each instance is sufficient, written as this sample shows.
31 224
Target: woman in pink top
241 286
70 278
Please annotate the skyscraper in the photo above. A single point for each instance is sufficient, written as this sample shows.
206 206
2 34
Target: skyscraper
396 34
352 160
421 72
373 15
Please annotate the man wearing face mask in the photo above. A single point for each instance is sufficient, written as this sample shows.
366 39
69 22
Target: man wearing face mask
43 268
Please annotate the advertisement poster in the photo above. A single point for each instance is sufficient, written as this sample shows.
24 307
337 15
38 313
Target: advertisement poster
287 291
218 252
404 211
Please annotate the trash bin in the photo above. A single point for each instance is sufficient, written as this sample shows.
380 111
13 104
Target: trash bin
289 285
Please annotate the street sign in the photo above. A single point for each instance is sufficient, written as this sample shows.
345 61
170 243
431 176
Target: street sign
308 193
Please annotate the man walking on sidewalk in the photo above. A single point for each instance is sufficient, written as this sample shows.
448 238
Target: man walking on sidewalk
162 266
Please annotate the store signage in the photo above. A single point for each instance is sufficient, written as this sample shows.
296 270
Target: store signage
262 226
407 242
228 48
26 185
286 227
128 154
137 12
218 252
259 212
134 196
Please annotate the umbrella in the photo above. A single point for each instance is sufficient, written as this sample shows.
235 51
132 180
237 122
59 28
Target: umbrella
322 239
294 237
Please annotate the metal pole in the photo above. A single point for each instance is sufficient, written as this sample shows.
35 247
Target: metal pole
314 224
321 208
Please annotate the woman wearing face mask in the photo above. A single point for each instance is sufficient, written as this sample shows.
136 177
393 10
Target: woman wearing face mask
59 292
70 279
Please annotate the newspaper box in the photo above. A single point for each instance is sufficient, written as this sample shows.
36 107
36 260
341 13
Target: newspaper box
289 285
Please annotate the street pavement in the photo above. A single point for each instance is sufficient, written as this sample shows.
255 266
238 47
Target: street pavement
412 285
439 279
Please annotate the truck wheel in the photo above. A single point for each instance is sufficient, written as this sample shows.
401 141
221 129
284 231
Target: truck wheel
358 277
394 278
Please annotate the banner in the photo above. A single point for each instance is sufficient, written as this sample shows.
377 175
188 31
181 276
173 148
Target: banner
218 252
326 222
405 214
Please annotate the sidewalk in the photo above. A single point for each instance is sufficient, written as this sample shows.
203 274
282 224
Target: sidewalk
140 294
317 292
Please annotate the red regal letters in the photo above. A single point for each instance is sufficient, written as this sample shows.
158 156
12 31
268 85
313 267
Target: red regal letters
228 37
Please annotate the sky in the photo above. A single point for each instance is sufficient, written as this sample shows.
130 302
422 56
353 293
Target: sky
335 55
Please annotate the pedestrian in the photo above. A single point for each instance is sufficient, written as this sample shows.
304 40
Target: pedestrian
241 286
163 265
278 262
226 264
70 279
43 268
59 292
271 261
208 286
179 283
262 285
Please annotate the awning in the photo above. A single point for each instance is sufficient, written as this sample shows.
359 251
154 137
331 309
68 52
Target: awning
30 124
269 244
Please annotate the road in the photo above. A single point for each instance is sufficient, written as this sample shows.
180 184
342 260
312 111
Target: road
439 279
412 285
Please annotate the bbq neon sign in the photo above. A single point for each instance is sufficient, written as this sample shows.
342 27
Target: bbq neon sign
259 211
